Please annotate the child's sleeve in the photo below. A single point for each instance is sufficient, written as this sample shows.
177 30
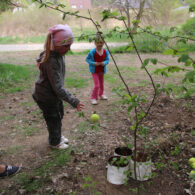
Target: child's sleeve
90 59
57 83
107 59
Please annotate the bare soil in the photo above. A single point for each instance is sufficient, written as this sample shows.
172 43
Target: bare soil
23 135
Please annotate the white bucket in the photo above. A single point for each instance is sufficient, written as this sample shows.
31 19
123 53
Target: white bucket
143 170
128 152
115 174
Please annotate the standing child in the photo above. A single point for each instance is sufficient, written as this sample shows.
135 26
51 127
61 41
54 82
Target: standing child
49 88
97 59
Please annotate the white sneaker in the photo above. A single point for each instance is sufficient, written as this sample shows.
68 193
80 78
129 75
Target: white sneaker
94 101
60 146
103 97
64 140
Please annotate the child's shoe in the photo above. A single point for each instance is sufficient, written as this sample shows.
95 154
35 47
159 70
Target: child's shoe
94 101
103 97
9 170
60 146
64 140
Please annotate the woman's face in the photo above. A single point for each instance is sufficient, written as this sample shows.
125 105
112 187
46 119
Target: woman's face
62 50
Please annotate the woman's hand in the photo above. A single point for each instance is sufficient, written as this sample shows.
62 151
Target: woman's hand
80 106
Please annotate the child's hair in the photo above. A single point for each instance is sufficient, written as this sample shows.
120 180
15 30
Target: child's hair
47 48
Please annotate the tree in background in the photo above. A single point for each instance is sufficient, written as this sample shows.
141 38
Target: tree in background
102 2
133 10
3 5
190 2
162 9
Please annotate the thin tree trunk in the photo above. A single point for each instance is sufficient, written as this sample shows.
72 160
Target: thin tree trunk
127 13
139 15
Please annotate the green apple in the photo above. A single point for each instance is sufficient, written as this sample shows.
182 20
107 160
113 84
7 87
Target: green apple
191 160
193 165
95 118
192 172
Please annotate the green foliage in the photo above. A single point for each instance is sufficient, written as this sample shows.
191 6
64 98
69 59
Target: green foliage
189 27
10 39
91 185
190 76
175 165
146 62
83 126
119 161
75 82
3 5
30 131
12 75
163 9
192 176
176 150
178 91
37 178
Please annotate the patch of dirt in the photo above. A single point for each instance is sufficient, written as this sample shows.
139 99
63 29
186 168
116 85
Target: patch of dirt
23 139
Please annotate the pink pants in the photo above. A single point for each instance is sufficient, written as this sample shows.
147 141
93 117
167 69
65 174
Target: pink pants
98 89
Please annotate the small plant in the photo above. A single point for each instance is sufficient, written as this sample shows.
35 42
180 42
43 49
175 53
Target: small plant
38 177
176 151
119 161
91 185
30 131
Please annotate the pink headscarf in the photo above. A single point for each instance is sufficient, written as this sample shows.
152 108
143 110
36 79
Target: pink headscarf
60 33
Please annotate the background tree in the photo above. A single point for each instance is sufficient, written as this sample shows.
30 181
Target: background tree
3 5
102 2
133 10
162 9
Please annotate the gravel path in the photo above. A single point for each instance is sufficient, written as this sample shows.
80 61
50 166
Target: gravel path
31 47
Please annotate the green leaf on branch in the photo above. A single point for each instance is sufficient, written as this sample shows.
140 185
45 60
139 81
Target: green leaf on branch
122 18
169 52
188 63
135 22
64 15
173 69
132 127
81 114
62 5
148 28
183 58
166 38
182 41
192 8
108 14
154 60
172 29
42 5
145 63
190 76
49 3
161 71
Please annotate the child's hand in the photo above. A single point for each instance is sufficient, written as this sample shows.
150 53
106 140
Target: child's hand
80 106
102 63
97 63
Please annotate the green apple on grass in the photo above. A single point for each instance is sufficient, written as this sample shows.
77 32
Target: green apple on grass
193 165
95 118
191 161
192 172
